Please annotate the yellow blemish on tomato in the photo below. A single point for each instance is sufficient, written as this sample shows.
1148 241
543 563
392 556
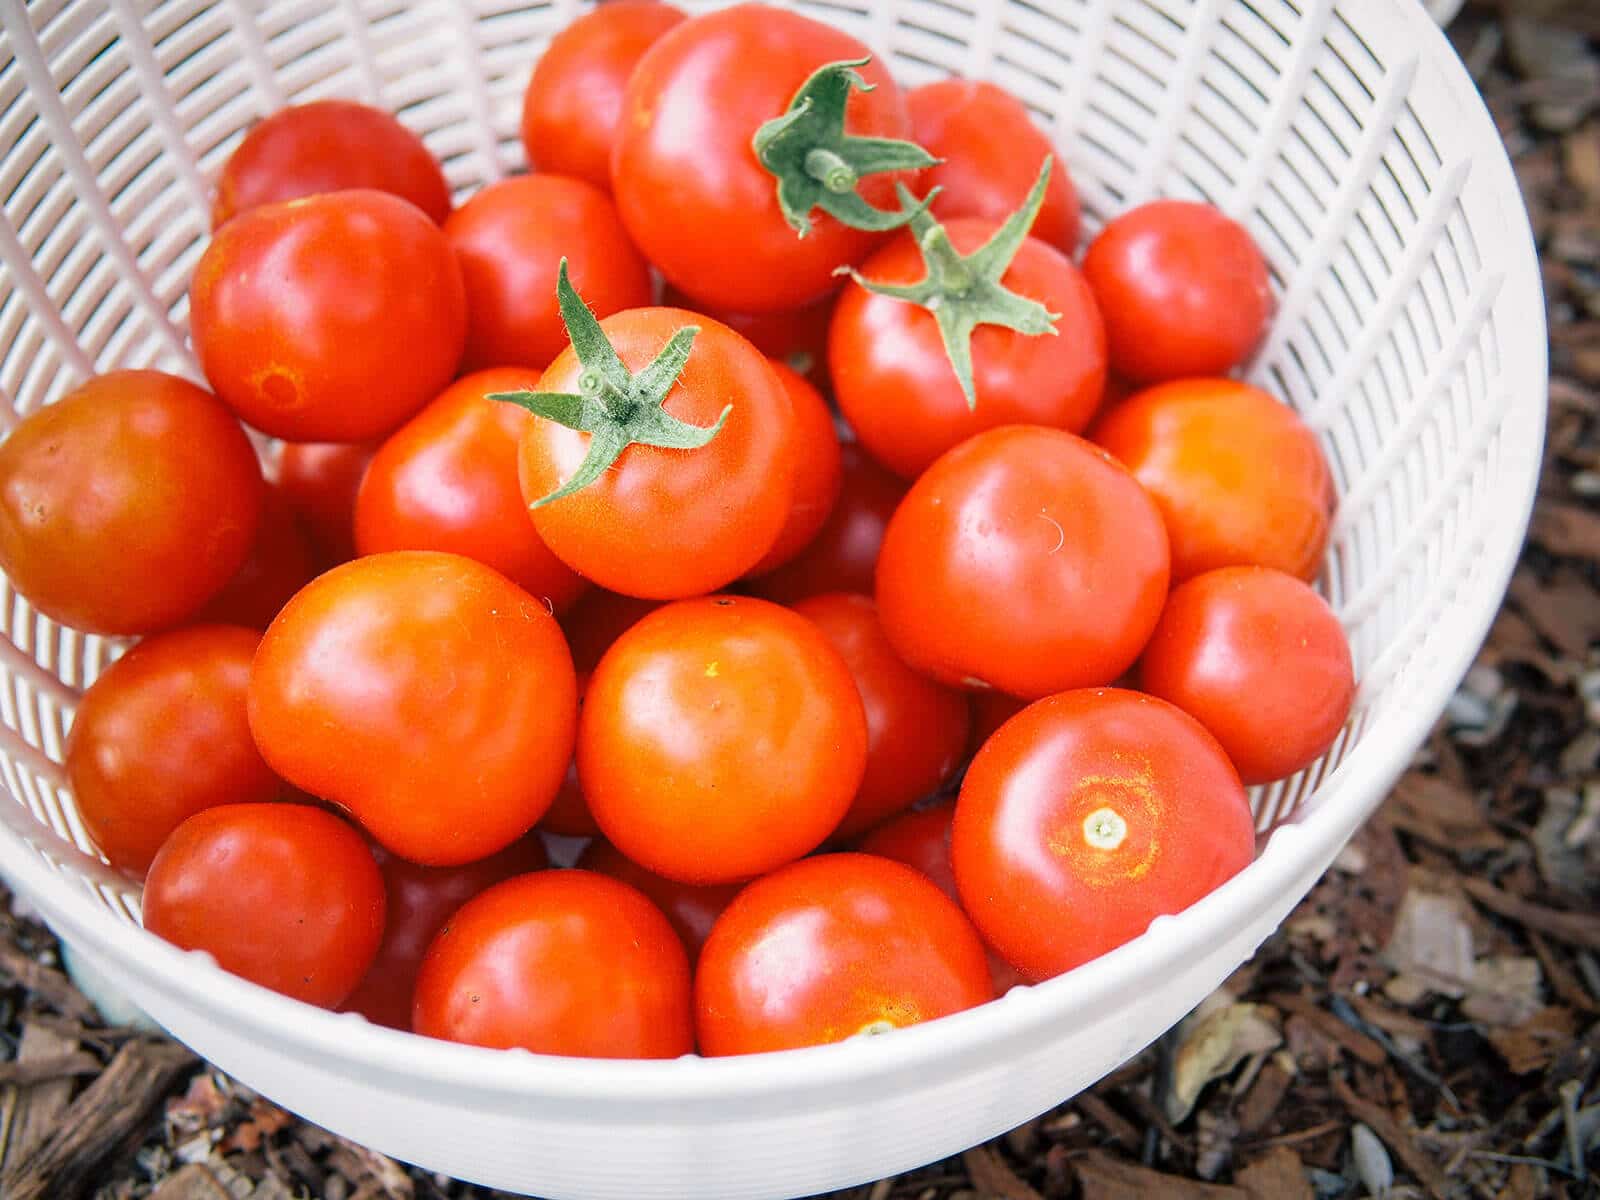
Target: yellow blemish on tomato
1109 830
713 669
889 1012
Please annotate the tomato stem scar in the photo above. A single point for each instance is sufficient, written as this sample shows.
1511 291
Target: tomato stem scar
1104 829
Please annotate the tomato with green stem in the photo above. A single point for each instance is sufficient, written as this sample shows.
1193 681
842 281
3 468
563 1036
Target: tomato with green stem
831 948
693 909
1088 815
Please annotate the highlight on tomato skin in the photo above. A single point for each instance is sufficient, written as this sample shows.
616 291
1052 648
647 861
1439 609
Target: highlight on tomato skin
1086 816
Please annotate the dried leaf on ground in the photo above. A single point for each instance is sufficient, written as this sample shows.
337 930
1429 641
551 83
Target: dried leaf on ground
1212 1046
1432 946
1276 1175
1534 1044
992 1177
1102 1177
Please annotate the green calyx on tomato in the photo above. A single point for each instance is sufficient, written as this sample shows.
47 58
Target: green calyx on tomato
818 165
965 291
614 406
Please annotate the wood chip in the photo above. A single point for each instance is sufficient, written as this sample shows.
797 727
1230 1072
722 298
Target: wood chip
1534 1044
1573 928
1102 1177
1261 1101
1352 1040
24 1071
192 1182
38 1107
992 1177
50 985
1276 1175
1121 1130
1427 1172
1565 610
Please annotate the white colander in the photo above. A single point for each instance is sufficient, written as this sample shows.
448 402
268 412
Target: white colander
1343 133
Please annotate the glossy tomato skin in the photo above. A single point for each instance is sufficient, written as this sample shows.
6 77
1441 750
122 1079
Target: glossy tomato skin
992 151
426 694
867 945
161 736
893 379
127 504
559 962
1240 479
796 336
297 308
1086 816
1260 660
720 738
420 901
282 560
817 469
329 146
1025 560
510 239
687 181
663 524
320 480
285 895
573 104
1184 291
916 729
692 909
447 480
843 556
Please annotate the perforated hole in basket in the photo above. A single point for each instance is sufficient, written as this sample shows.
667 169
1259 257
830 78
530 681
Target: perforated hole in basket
1389 337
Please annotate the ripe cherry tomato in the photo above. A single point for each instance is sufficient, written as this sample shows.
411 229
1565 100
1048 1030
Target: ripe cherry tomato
720 738
843 556
329 146
832 947
1183 289
285 895
893 378
127 504
691 909
298 308
991 150
816 471
510 239
796 336
559 962
421 900
1260 660
447 480
574 99
687 181
990 710
320 480
281 561
668 523
425 693
568 814
1085 817
1240 479
1025 560
916 729
160 736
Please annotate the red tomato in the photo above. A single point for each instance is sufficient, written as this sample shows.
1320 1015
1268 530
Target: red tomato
447 480
843 556
320 480
127 504
991 150
691 909
568 814
720 738
817 470
285 895
574 99
1088 815
667 523
916 730
893 378
160 736
281 561
1240 479
1025 560
421 900
559 962
1183 289
510 239
425 693
298 309
990 710
687 181
1260 660
329 146
830 948
796 336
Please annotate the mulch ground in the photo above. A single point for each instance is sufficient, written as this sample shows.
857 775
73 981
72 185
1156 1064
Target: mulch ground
1425 1023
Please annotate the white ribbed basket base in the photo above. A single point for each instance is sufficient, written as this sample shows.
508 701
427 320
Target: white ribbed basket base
1344 133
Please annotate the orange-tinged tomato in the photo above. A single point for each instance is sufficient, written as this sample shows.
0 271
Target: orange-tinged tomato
1086 816
281 561
817 470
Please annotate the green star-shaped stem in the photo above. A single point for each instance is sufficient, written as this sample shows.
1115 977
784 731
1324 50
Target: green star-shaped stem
818 164
615 407
964 291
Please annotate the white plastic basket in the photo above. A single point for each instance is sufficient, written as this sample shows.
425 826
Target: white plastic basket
1344 133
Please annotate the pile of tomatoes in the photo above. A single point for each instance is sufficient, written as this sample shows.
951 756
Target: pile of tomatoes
871 709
